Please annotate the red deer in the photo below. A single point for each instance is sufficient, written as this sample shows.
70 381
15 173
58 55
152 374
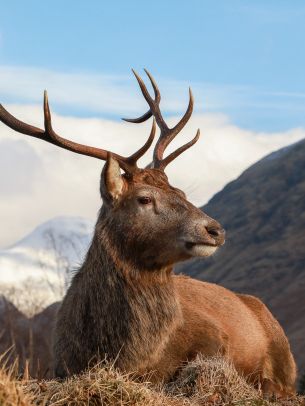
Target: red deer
125 302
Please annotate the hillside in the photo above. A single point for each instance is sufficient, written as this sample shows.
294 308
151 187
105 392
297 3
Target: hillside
263 212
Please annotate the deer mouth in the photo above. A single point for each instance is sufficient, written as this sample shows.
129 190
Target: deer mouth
200 248
189 245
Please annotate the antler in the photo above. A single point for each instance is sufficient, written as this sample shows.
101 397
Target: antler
128 164
166 134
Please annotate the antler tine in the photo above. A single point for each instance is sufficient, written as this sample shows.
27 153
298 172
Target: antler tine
187 115
148 114
137 155
169 134
179 151
139 120
51 136
128 164
143 88
155 86
153 103
47 115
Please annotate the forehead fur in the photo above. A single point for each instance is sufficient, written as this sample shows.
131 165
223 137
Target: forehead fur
151 177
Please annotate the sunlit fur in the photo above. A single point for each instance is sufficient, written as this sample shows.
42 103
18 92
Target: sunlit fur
125 302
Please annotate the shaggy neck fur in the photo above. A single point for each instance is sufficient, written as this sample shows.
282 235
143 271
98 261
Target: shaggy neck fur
122 313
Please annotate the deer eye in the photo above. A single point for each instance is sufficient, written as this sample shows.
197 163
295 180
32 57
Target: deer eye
144 200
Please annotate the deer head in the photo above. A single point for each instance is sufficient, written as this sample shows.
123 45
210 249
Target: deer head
151 224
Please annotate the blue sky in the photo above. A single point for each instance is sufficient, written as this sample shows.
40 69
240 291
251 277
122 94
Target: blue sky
243 58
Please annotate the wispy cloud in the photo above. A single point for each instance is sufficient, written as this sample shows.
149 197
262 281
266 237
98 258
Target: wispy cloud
113 95
104 93
39 181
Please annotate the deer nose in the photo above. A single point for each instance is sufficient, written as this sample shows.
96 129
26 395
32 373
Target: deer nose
217 233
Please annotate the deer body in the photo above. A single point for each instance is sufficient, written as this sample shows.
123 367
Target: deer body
240 327
155 321
125 303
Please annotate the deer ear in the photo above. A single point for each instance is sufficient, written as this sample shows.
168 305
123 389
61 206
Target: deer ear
112 183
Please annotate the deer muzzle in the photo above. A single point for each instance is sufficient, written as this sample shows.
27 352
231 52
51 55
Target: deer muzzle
204 237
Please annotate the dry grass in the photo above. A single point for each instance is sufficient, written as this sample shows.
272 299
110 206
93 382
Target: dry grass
11 390
206 381
99 386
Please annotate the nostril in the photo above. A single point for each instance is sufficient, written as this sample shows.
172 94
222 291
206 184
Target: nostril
213 232
216 232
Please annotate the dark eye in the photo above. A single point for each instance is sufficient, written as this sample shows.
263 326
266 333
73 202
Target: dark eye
144 200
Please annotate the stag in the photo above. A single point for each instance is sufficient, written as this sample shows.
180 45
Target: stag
126 304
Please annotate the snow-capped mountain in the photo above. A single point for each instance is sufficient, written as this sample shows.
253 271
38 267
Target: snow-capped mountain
39 264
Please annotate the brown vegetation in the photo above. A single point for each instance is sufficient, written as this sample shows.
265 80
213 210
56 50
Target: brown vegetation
11 390
205 381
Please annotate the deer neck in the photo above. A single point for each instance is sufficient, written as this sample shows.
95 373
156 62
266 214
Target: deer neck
134 311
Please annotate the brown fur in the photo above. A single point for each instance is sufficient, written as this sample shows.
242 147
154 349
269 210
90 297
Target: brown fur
126 304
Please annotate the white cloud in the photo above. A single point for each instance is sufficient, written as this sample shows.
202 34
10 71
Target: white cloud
58 182
28 168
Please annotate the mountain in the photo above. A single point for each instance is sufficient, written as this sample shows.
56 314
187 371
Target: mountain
263 212
40 262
